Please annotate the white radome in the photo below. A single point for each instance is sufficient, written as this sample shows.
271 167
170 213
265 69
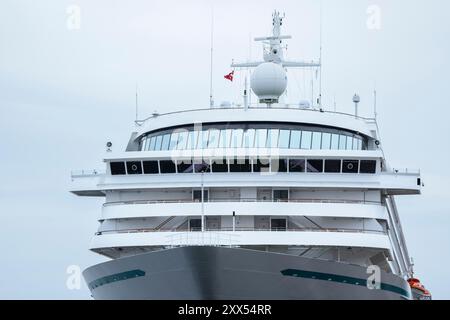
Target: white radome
269 81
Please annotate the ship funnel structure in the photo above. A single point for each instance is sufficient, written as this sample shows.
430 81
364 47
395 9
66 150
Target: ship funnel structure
268 82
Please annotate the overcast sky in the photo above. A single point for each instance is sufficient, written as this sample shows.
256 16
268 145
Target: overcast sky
65 92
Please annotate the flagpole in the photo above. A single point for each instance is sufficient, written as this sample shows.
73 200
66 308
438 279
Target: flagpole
211 101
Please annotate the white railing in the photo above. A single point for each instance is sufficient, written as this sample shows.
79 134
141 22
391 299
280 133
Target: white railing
115 203
86 173
240 229
202 239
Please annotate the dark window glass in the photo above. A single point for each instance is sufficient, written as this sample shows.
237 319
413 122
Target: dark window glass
185 166
219 165
279 165
134 167
202 166
278 224
350 166
280 195
167 166
197 195
332 165
296 165
368 166
151 167
195 224
261 165
240 165
117 168
314 165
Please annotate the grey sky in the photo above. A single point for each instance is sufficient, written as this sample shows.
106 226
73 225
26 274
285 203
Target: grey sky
64 93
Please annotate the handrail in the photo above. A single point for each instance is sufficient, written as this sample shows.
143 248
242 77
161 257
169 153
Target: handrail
113 203
245 229
286 106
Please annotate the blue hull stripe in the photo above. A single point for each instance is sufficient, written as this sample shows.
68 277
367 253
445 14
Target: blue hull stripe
116 277
341 279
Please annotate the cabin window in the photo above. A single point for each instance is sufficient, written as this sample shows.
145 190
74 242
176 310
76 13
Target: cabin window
240 165
368 166
117 168
314 165
261 165
350 166
281 195
219 165
134 167
151 167
167 166
197 195
185 166
278 224
306 140
297 165
294 143
332 166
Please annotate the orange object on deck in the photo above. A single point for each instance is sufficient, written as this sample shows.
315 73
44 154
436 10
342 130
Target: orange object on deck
414 283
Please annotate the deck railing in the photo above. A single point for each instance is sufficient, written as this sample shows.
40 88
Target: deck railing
114 203
241 229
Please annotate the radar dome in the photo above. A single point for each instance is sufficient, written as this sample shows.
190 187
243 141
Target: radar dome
268 82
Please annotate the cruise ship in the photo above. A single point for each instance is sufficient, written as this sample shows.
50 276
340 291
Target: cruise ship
252 200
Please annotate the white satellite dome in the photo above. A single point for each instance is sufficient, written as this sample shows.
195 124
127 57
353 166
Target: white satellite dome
268 82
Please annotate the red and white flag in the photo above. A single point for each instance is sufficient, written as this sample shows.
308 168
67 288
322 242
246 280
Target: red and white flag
229 76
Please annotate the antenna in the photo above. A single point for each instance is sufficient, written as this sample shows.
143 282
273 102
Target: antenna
136 102
211 100
375 103
320 58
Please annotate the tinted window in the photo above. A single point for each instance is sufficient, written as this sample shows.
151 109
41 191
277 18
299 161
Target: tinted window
182 140
152 143
202 166
368 166
296 165
342 142
283 141
158 143
219 165
350 166
151 167
326 140
332 165
279 195
261 165
167 166
213 141
295 139
185 166
249 138
316 140
313 165
173 140
236 138
260 138
240 165
192 140
306 140
272 138
134 167
279 165
117 168
334 141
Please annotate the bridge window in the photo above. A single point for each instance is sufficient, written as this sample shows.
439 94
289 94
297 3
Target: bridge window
297 165
134 167
294 143
314 165
167 166
367 166
219 165
185 166
117 168
256 137
283 141
151 167
240 165
333 166
350 166
261 165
